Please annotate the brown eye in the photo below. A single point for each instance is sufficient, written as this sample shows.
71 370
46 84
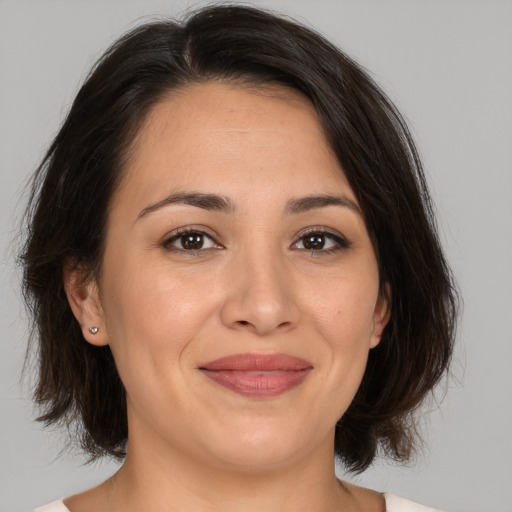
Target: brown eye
322 242
314 242
192 241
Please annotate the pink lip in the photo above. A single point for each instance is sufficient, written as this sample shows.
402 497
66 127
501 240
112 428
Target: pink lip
257 375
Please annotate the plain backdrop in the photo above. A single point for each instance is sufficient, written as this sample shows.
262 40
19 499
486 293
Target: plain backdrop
448 66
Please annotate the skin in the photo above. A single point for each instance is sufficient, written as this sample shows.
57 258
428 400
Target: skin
253 287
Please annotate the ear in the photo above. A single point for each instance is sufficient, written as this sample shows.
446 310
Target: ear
381 315
83 297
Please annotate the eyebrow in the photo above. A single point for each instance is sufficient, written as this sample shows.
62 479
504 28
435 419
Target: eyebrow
205 201
214 202
304 204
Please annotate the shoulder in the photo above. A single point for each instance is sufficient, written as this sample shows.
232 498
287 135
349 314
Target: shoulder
395 503
55 506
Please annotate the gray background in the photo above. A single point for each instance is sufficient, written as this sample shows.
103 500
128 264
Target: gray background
448 66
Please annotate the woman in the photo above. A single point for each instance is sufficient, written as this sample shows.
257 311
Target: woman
234 272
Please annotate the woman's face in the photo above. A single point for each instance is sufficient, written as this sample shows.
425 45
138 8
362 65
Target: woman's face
234 234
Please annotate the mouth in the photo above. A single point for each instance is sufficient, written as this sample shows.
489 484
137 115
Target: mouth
257 375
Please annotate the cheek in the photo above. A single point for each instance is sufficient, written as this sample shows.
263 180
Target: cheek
344 309
151 311
152 324
343 316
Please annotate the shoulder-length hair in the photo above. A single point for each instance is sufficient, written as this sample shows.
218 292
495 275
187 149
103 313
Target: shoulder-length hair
78 384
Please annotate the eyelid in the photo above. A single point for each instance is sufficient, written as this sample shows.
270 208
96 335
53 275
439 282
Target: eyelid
341 240
184 230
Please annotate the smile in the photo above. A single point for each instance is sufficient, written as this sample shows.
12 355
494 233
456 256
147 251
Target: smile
257 375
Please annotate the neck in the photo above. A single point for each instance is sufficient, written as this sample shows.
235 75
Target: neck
167 481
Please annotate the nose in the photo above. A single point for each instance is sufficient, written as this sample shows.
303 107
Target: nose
260 298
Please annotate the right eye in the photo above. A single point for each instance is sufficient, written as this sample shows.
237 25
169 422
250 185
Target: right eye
190 240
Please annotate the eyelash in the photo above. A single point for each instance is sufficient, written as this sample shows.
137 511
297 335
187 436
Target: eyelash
175 236
341 243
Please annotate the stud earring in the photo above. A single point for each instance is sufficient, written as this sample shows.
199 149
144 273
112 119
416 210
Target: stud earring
93 330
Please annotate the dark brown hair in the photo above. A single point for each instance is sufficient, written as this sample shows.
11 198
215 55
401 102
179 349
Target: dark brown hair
78 383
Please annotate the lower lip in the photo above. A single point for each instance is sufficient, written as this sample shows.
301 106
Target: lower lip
258 383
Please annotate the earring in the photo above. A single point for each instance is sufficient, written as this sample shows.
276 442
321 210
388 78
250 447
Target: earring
93 330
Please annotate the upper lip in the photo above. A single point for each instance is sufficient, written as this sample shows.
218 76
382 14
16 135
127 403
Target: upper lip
263 362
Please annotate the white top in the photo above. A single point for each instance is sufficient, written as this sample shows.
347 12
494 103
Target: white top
393 504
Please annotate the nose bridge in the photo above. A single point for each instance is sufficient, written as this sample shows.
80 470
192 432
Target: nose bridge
261 296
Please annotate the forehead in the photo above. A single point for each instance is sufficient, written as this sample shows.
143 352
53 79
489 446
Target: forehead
233 137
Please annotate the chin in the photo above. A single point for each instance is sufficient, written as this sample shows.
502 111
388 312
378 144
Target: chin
260 446
254 460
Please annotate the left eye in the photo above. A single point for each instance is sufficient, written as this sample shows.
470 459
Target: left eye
319 241
190 241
